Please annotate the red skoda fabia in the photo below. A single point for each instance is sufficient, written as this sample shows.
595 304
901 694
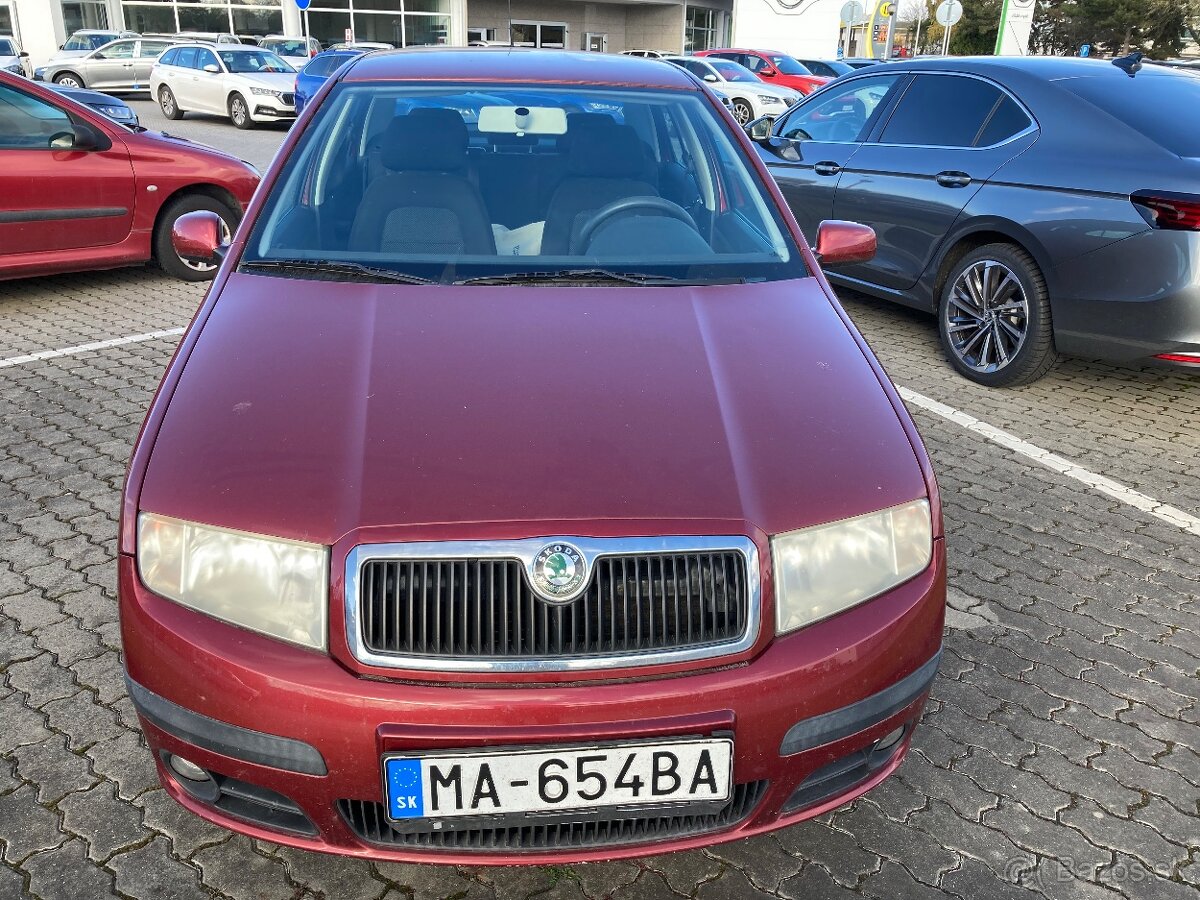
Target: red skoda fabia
520 492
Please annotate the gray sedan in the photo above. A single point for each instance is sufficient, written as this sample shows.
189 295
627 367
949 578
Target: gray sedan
122 65
1035 205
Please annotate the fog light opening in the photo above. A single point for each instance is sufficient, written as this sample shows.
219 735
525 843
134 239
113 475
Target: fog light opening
891 738
185 768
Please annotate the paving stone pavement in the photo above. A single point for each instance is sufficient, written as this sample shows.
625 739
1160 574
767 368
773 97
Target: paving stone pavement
1057 758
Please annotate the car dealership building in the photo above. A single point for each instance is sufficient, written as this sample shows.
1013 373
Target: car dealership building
803 27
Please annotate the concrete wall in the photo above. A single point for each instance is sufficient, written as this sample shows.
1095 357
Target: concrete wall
802 27
654 28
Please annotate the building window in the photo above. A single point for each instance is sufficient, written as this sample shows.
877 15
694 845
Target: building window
80 14
699 29
539 34
241 18
6 20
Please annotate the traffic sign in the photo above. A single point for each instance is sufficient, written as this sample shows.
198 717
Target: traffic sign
949 12
853 13
1085 50
303 4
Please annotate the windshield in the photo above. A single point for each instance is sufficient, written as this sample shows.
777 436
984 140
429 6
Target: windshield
1149 104
6 48
285 48
88 41
789 66
732 71
250 61
451 183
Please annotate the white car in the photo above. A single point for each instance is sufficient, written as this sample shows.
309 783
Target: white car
292 49
12 57
646 54
248 84
749 96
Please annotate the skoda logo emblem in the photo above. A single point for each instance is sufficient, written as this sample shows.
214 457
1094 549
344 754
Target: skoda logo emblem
559 571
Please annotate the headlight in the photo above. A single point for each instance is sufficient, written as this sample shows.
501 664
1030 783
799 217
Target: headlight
767 98
266 92
116 112
269 585
39 74
826 569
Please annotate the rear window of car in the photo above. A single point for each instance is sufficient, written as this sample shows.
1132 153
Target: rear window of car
1159 104
170 58
953 111
285 48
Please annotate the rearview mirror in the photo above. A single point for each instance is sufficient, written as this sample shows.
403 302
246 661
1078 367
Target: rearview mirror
196 237
841 243
212 69
759 129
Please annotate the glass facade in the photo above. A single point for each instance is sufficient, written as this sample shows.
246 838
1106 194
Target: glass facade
79 14
6 20
699 29
246 18
401 23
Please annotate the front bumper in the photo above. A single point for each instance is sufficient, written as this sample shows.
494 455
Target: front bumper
293 740
269 109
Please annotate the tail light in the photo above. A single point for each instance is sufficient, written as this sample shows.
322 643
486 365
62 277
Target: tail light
1170 211
1193 358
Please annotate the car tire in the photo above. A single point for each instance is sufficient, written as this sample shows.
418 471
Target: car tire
239 112
994 317
69 79
742 112
168 104
164 251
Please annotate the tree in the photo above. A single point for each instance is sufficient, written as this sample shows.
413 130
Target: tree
1152 26
976 32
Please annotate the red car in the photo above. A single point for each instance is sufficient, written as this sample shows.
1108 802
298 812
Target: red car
83 192
773 67
520 491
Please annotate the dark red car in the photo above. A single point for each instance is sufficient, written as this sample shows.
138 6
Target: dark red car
79 191
773 67
520 491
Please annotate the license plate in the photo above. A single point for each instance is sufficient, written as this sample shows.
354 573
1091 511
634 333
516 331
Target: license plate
487 782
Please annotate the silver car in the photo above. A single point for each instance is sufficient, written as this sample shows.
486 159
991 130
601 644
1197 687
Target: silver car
122 65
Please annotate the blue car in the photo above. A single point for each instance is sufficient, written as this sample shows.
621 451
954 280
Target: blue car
315 73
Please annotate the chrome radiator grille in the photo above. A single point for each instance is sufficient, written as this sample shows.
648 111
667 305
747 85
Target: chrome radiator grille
431 610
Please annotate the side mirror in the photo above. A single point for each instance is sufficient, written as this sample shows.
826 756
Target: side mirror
769 73
711 78
841 243
760 129
212 69
23 55
196 237
80 137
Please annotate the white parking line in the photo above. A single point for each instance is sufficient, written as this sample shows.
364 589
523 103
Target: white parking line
1167 513
1107 486
84 348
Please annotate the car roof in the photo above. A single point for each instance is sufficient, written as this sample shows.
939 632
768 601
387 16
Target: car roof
1049 68
509 64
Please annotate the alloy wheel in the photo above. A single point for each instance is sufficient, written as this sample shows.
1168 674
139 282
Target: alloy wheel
238 111
742 113
167 101
68 81
986 316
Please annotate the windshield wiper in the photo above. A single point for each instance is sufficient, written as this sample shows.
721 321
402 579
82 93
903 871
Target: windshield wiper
594 276
348 271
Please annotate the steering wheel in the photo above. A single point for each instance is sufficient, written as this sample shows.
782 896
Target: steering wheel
659 204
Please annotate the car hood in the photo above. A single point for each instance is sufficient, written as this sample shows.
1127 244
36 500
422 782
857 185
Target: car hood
777 90
275 81
308 409
67 54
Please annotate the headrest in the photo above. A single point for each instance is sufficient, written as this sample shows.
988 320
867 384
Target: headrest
425 140
613 151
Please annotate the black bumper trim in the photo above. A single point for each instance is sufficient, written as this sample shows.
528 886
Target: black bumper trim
848 720
221 737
